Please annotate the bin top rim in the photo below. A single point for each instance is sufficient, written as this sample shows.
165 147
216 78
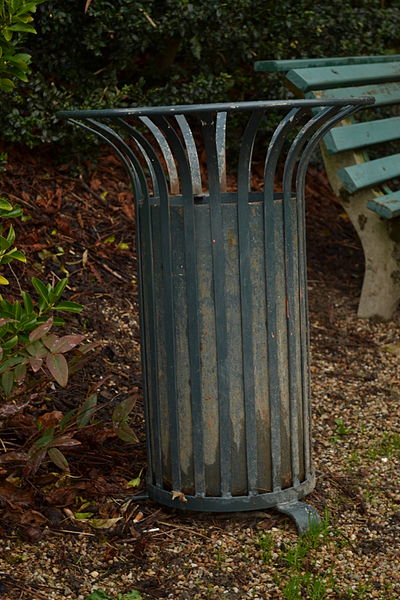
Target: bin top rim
214 107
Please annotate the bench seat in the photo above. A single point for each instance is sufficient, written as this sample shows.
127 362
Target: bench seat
361 159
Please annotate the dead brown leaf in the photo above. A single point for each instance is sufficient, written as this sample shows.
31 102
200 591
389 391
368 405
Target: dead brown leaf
15 497
178 495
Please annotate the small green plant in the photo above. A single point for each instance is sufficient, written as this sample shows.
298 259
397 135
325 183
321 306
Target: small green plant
30 353
219 554
266 543
26 337
8 252
386 447
295 555
58 435
359 592
292 589
305 585
120 418
101 595
341 430
316 534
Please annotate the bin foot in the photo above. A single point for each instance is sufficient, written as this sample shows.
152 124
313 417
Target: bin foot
303 514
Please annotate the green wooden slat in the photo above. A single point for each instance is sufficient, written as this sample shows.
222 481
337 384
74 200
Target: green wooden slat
320 78
386 206
384 94
360 135
370 173
286 65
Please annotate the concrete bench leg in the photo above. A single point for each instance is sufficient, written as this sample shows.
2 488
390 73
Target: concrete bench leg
380 292
380 239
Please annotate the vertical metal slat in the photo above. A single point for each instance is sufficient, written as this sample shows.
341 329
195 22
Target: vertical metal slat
272 216
192 296
244 169
218 258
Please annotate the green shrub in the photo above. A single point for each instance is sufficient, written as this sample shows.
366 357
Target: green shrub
128 52
15 21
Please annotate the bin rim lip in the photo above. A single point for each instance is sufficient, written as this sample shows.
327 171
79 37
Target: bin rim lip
213 107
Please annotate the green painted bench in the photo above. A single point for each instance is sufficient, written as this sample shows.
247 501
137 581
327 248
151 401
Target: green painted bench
367 184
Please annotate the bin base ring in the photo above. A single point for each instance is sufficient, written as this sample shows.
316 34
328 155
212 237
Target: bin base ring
285 501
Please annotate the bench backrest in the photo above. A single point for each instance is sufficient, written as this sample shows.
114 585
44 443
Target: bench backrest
377 76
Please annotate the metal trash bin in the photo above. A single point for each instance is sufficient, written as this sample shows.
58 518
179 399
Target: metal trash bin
223 300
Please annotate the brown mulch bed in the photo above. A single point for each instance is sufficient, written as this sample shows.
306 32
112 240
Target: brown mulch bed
85 226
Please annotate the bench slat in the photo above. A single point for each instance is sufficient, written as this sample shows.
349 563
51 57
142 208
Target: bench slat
370 173
386 206
385 94
321 78
359 135
271 66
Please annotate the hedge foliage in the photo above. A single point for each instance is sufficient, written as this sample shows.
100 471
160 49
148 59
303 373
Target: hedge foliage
148 52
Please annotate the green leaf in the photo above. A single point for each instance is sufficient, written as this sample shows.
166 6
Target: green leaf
27 7
3 280
126 433
23 27
98 595
7 382
83 515
20 58
11 235
36 349
58 458
46 438
10 343
27 323
5 205
86 411
11 362
69 307
7 34
136 481
41 289
15 254
4 244
58 367
28 303
58 290
67 418
121 412
6 85
16 212
123 246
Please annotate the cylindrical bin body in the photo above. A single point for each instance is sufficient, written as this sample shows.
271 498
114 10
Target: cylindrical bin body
229 417
223 298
